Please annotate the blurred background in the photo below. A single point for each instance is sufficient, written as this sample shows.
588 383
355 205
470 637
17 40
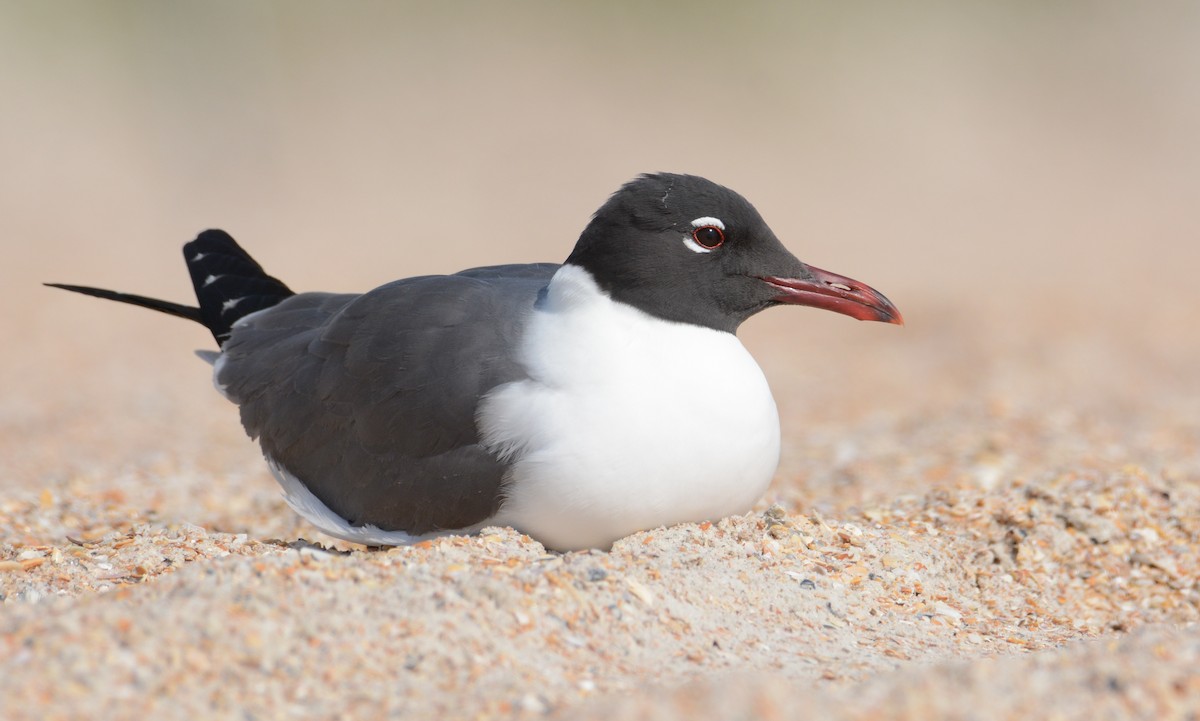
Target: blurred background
1022 179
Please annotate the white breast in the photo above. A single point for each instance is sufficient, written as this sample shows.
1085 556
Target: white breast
627 422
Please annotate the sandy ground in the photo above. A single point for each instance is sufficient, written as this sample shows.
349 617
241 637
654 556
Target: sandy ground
992 513
1029 546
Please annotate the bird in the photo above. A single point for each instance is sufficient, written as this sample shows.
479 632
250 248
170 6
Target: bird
577 403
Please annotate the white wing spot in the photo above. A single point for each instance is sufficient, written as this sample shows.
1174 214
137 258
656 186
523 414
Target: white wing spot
196 258
211 279
229 304
706 220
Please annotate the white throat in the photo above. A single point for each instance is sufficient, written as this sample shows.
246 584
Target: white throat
626 421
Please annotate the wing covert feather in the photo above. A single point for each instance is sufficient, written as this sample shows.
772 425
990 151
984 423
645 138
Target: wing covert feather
370 399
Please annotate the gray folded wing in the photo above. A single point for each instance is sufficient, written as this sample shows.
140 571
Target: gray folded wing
369 400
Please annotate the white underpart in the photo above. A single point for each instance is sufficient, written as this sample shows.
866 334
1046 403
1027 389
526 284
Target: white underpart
627 422
691 243
317 513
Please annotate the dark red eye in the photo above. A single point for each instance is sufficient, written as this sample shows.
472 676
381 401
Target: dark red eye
708 236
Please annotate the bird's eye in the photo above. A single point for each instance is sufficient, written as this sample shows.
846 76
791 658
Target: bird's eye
708 237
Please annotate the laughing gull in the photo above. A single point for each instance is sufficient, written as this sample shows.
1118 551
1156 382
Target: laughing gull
577 403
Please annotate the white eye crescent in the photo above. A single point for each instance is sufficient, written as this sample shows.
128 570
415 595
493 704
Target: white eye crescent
707 235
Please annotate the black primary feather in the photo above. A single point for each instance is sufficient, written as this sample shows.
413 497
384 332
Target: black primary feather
164 306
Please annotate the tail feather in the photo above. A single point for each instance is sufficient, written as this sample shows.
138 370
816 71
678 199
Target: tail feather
229 285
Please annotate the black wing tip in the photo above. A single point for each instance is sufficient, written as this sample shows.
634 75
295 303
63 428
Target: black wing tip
229 283
214 236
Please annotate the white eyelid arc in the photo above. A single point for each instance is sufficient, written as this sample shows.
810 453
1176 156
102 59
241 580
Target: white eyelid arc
701 222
